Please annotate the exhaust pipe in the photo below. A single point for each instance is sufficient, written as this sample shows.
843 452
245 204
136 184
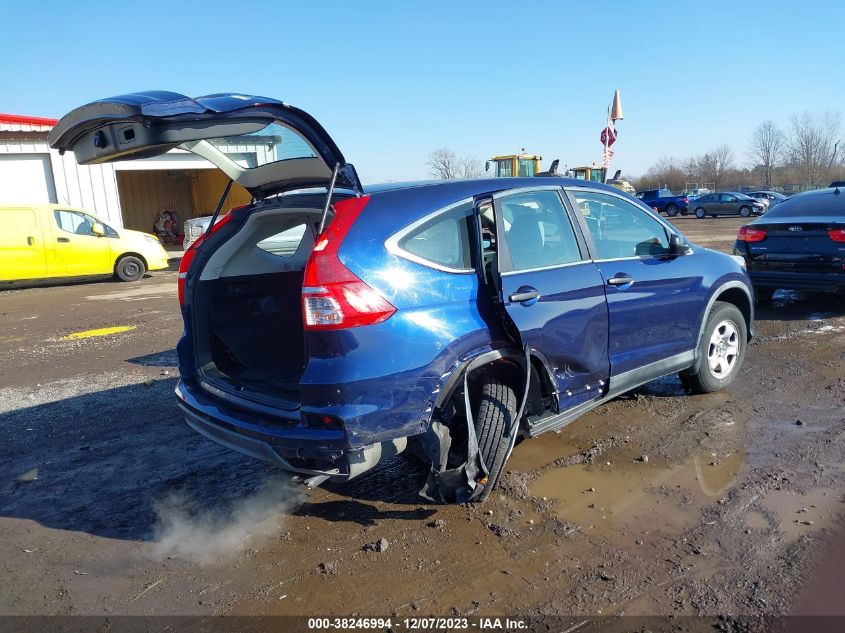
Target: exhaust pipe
365 459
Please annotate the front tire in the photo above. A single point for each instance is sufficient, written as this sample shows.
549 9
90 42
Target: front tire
672 210
745 211
699 213
129 268
721 351
494 417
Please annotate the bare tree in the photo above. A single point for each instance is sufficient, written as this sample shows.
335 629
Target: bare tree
715 164
766 148
470 167
447 165
813 141
443 163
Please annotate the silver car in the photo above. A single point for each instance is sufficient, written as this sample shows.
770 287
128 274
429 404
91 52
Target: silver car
771 198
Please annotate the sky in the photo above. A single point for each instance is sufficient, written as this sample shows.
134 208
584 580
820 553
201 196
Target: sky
393 81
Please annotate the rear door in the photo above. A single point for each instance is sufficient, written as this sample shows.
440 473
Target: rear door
654 301
552 292
21 245
265 145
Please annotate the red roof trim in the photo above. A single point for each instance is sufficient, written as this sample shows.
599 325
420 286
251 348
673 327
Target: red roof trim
27 120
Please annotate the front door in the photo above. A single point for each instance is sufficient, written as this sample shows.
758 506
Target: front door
78 250
654 300
552 292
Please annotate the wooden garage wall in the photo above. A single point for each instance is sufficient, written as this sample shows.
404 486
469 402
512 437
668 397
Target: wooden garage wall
145 194
208 186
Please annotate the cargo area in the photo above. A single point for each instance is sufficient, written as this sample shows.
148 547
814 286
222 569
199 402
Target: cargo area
248 330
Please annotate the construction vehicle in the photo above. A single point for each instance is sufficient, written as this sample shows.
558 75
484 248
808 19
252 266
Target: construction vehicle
522 165
515 165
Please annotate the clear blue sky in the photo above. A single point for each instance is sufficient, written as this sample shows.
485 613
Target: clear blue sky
392 81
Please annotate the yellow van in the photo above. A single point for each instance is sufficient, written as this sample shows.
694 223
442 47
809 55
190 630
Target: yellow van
50 240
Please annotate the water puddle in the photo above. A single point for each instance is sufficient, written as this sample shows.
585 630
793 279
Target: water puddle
638 500
798 514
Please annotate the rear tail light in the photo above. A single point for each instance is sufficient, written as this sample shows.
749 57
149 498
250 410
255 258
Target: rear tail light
837 235
188 257
750 234
656 209
333 297
686 200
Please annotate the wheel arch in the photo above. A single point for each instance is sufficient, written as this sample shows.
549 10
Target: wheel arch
737 294
130 254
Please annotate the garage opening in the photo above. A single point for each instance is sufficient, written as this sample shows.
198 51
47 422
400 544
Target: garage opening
186 193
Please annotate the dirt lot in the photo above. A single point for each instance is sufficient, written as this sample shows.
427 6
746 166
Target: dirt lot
658 503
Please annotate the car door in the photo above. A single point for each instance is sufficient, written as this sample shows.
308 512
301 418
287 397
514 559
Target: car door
552 291
728 204
653 298
21 245
263 144
78 250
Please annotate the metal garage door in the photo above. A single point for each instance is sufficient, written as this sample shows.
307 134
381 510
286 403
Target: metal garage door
26 179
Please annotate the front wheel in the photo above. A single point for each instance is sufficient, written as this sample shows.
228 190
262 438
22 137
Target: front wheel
745 211
129 268
494 419
672 210
699 213
721 350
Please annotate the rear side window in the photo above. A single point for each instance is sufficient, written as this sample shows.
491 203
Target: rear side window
443 240
284 244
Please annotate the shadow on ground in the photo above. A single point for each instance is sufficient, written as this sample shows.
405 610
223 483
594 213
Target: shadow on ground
103 460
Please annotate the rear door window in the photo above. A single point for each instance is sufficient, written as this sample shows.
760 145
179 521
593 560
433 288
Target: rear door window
538 233
443 240
619 229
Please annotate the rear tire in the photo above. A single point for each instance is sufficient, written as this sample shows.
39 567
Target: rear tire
672 210
745 211
496 413
699 213
721 351
129 268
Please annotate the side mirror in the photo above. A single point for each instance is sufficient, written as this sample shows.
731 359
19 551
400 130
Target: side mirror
487 166
98 229
677 246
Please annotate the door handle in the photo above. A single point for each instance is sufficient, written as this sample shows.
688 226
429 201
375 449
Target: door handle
63 239
526 293
30 241
620 280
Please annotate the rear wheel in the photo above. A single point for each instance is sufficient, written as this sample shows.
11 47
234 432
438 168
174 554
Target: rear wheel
494 418
699 213
672 210
745 211
129 268
721 351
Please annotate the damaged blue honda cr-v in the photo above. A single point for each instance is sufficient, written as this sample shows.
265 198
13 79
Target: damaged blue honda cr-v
330 325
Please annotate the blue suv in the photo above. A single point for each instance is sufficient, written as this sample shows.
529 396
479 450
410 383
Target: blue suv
330 326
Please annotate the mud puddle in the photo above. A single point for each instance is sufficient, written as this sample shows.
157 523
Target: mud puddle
636 500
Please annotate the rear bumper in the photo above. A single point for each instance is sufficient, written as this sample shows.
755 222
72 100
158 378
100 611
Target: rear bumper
283 442
817 282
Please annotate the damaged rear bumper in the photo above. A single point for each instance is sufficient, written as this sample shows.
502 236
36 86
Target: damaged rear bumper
284 443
